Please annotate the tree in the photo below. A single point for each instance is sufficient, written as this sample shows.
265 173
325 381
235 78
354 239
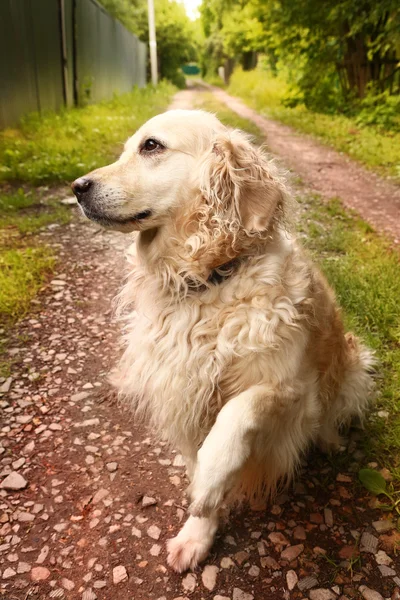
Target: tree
335 48
177 35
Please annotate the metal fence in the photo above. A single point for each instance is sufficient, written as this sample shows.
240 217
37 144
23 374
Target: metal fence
56 53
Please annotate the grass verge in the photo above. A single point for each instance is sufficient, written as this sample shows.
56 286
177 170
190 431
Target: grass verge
61 147
373 147
55 148
365 273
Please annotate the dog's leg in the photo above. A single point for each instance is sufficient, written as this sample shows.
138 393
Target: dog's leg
193 542
229 443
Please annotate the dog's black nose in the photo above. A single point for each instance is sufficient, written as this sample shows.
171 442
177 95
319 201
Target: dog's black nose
81 186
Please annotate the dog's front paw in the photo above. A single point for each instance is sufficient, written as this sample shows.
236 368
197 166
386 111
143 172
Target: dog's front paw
192 544
184 554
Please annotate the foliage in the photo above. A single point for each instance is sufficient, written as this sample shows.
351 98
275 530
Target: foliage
335 51
178 37
361 136
63 146
374 482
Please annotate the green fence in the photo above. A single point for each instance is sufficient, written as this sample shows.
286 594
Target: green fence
56 53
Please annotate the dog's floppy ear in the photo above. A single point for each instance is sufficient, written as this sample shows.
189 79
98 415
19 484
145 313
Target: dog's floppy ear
236 180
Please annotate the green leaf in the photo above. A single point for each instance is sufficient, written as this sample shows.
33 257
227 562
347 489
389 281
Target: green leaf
373 481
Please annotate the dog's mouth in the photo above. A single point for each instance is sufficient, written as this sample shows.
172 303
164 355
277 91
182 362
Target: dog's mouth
113 221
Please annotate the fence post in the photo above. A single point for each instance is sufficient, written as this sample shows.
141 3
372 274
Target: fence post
64 57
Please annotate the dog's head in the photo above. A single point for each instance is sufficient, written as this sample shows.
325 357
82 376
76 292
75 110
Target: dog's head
186 167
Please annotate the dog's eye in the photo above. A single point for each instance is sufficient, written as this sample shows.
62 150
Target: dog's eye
151 145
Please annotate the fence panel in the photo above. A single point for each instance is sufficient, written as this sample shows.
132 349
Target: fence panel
17 65
63 52
109 58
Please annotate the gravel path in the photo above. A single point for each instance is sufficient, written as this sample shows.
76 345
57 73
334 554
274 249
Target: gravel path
88 500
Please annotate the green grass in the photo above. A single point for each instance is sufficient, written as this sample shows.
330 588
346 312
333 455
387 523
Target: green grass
22 273
55 148
24 264
25 212
60 147
365 273
375 148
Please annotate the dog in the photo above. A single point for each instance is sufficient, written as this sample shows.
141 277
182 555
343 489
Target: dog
235 351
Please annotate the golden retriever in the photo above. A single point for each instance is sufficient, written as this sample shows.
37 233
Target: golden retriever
235 352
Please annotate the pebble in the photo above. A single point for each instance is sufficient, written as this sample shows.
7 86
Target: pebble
40 574
119 574
322 594
100 495
112 466
369 543
67 584
23 567
14 482
382 558
369 594
5 387
291 579
239 594
383 526
155 550
227 562
154 532
307 583
89 595
209 576
9 572
80 396
189 582
148 501
43 554
292 552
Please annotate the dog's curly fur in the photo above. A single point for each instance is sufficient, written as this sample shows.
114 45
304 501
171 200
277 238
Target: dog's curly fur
242 376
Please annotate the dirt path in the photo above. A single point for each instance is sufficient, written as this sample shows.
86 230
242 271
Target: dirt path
98 498
327 172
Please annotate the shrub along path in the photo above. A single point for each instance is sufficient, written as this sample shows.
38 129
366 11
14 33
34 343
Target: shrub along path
88 500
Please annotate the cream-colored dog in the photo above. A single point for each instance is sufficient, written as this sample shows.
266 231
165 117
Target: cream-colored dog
236 352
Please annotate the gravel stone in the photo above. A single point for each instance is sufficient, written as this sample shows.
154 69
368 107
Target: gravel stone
239 594
369 543
9 572
40 574
209 576
119 574
189 582
291 579
322 594
14 482
369 594
148 501
292 552
307 583
154 532
383 526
